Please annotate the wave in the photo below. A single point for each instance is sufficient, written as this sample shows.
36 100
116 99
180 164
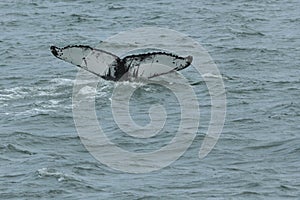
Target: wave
50 172
13 148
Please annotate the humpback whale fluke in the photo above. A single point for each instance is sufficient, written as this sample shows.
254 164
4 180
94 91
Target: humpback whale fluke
111 67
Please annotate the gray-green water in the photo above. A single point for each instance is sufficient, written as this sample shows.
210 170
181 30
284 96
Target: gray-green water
256 47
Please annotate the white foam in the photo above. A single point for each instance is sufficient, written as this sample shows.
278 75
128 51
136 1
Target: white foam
34 111
131 84
209 75
54 102
62 81
44 172
86 90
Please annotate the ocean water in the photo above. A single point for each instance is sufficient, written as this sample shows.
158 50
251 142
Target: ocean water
255 45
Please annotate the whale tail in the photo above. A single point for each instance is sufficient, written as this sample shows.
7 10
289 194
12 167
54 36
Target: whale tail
111 67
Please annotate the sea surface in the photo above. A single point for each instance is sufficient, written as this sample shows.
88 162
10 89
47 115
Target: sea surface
256 46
